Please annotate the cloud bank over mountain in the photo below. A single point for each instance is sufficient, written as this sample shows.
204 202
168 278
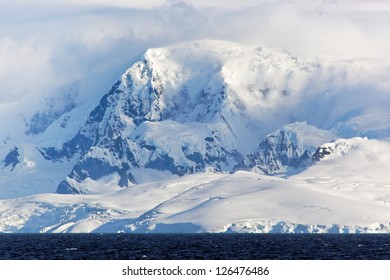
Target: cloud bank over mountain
90 41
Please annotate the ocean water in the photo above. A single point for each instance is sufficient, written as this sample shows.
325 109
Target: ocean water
194 246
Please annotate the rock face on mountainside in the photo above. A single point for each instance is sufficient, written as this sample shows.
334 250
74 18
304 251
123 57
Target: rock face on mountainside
12 158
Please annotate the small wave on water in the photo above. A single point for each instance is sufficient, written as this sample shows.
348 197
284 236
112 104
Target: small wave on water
71 249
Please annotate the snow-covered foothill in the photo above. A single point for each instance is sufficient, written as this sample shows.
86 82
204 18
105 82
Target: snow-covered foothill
209 202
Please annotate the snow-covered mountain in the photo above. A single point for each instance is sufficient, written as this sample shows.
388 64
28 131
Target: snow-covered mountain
206 108
179 110
292 147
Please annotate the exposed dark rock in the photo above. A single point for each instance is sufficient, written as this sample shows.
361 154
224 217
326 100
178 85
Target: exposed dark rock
12 158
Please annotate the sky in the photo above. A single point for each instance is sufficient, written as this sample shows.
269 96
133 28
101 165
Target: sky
45 45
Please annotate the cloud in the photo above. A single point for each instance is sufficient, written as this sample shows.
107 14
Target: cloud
23 66
321 28
47 44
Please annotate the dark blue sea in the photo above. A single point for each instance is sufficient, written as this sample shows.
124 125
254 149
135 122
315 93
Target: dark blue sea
194 246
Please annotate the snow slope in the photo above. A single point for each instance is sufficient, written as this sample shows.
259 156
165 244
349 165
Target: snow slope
50 119
323 198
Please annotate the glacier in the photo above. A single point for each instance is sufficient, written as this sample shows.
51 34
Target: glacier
205 136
